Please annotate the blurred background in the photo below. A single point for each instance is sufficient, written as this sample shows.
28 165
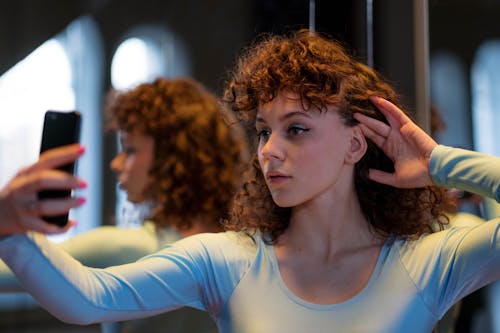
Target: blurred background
65 55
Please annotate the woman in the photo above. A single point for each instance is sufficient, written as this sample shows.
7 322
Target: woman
333 223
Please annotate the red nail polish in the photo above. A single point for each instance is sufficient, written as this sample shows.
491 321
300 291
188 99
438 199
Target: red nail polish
71 223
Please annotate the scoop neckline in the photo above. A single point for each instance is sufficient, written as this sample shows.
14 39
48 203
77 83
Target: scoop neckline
325 307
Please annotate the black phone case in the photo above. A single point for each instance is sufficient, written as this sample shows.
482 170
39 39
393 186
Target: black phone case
59 129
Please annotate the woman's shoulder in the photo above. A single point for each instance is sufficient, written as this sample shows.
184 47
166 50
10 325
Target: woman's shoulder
228 254
430 249
228 244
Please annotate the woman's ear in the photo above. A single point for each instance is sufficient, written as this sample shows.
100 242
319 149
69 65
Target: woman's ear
357 147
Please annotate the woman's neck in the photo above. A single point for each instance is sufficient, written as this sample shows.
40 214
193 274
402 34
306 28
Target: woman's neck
328 224
328 253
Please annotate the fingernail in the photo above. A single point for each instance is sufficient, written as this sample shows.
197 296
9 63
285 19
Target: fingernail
81 200
82 184
81 150
71 223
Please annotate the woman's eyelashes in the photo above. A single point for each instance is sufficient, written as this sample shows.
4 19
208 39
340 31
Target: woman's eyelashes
291 131
263 133
297 129
128 150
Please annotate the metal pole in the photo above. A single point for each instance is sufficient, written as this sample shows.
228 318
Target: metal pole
422 89
312 15
369 33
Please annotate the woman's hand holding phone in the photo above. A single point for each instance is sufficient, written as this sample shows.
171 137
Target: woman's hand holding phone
20 207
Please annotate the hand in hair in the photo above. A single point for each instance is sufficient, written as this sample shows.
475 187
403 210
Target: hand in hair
404 142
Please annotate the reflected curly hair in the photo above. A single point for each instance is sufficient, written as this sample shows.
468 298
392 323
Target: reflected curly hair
321 72
199 149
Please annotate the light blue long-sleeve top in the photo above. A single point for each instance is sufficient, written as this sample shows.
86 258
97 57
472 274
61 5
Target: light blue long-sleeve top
235 277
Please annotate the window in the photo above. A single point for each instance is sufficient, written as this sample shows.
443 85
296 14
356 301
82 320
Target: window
450 95
40 82
485 79
146 64
145 53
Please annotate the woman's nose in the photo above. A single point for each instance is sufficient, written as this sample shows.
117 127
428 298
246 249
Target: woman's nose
116 163
273 148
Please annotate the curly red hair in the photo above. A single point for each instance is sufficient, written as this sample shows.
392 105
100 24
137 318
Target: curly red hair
322 73
199 149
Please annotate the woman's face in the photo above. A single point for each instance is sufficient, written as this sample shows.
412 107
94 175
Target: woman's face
133 163
304 154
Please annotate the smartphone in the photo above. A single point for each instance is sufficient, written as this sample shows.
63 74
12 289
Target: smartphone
59 129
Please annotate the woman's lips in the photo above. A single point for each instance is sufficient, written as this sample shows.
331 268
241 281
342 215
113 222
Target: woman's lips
276 177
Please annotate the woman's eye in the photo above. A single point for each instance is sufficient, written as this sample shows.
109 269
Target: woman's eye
297 130
128 150
263 133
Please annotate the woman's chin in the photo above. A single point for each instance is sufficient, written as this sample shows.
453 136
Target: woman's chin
283 202
134 200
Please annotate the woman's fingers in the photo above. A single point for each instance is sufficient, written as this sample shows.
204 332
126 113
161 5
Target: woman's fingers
52 229
406 144
34 223
26 213
394 115
56 157
20 205
382 177
55 207
372 129
48 179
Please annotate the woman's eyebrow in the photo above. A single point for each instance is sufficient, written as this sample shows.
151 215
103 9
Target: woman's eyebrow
293 114
259 119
